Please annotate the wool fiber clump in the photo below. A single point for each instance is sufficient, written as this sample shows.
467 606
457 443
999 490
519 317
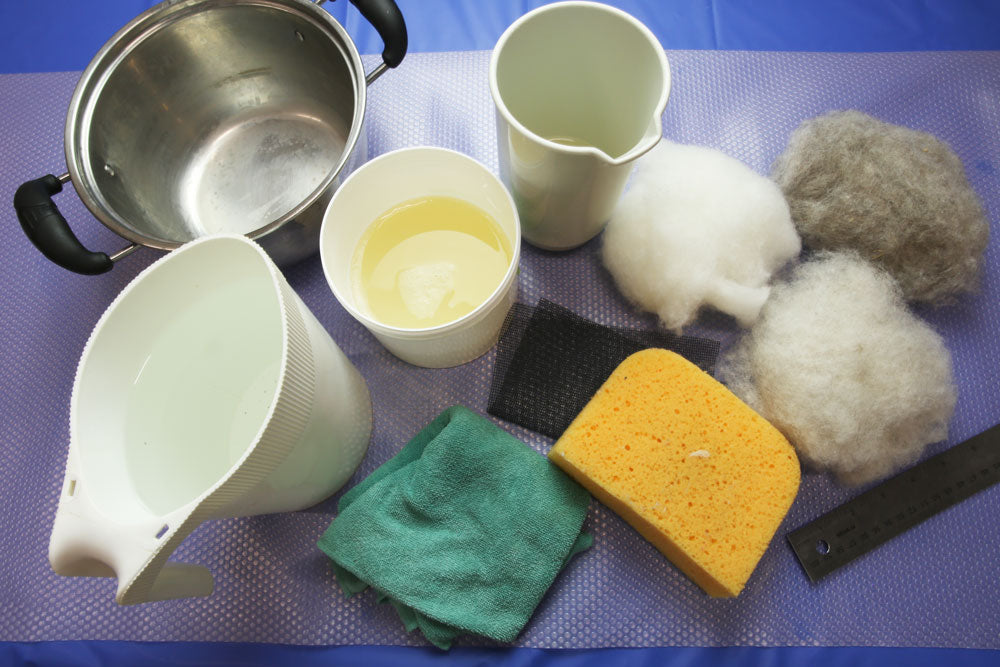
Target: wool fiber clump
698 227
838 364
897 196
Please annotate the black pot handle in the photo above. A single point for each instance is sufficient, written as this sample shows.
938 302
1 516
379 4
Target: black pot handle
48 230
387 20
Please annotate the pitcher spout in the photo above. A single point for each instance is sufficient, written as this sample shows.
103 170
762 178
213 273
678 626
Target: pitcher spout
650 138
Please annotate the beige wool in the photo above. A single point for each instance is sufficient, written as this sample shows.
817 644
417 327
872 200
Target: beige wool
897 196
844 370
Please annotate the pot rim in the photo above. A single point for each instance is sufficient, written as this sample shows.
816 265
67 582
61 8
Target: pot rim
130 37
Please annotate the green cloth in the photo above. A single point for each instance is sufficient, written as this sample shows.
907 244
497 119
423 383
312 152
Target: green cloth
463 531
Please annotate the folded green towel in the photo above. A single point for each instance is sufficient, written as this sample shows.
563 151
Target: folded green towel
463 531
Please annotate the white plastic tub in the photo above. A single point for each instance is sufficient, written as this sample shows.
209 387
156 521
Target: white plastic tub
392 179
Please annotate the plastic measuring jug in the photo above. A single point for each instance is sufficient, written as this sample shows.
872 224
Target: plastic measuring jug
206 390
579 89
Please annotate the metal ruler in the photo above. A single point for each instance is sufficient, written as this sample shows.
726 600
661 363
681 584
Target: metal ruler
898 504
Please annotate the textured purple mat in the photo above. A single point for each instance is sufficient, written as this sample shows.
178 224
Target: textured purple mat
938 585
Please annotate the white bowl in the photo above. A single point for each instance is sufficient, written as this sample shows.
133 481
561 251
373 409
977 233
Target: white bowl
397 177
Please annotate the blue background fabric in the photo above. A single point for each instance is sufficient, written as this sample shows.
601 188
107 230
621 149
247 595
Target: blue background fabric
724 98
98 654
63 35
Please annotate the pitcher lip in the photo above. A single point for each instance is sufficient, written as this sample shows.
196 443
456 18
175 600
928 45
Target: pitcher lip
635 151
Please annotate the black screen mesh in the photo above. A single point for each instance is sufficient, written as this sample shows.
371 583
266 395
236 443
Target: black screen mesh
550 361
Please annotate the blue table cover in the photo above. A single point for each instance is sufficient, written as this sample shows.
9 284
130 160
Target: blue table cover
65 36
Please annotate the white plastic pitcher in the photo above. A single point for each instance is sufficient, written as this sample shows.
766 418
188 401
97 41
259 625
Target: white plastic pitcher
207 390
579 89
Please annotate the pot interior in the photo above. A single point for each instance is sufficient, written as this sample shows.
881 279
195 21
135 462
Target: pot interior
211 117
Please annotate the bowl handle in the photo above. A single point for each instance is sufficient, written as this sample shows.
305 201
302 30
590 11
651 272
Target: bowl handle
46 227
387 20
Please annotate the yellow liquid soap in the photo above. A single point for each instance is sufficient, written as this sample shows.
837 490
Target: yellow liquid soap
429 261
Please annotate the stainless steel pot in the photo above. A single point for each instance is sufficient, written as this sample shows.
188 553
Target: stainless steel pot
213 115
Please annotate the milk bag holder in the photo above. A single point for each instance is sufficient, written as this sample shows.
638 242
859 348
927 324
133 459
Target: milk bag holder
550 361
898 504
277 423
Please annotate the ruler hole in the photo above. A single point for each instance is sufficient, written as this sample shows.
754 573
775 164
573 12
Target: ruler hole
897 505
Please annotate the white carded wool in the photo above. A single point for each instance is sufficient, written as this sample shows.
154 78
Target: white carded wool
698 227
897 196
838 364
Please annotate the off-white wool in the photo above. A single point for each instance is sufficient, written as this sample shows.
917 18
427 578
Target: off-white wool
838 364
698 227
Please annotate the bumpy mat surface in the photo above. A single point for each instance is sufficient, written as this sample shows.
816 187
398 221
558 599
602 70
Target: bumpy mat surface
938 585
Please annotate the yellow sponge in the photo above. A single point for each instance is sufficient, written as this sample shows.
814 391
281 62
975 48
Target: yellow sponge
684 461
